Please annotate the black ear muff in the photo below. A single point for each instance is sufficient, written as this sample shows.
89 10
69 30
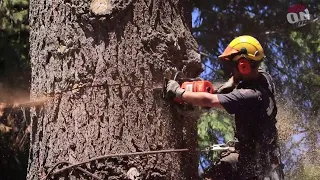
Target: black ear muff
244 66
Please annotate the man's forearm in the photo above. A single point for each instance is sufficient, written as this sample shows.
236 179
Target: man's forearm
201 99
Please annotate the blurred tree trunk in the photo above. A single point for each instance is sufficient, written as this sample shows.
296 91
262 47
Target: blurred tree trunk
117 52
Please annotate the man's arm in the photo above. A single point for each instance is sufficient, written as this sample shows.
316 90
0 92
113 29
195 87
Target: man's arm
233 102
202 99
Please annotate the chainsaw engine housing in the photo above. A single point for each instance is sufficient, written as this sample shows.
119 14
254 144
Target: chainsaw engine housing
196 86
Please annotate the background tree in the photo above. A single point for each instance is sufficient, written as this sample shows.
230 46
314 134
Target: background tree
115 53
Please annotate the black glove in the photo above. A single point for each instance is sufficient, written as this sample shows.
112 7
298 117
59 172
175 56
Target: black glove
174 90
226 87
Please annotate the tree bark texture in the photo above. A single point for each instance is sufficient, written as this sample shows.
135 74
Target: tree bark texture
104 61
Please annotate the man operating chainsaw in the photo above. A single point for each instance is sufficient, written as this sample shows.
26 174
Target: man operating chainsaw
249 95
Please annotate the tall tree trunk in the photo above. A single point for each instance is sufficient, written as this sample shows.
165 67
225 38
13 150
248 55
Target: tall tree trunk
115 53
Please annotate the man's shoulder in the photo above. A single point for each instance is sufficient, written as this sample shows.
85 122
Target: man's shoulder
249 93
269 81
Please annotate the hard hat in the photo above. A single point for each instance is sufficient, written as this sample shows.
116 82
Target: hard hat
243 46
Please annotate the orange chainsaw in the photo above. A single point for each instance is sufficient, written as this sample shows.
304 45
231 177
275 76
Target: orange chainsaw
189 84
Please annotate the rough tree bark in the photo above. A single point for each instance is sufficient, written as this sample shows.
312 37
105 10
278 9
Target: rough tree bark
116 51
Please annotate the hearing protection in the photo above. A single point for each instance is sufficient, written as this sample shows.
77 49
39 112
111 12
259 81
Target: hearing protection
243 64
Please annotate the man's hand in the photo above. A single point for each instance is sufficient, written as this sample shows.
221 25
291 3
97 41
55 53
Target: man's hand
174 90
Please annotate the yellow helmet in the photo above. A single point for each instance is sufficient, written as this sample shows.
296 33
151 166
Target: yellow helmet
243 46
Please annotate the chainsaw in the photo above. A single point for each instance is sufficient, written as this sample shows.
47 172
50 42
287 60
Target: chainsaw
189 84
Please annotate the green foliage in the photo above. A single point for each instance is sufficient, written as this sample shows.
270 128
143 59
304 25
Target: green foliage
14 43
213 126
14 16
309 70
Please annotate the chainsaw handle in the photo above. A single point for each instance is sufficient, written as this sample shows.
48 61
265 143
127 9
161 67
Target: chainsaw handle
176 78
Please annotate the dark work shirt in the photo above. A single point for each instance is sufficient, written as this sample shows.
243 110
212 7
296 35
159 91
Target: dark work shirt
253 107
240 100
255 110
